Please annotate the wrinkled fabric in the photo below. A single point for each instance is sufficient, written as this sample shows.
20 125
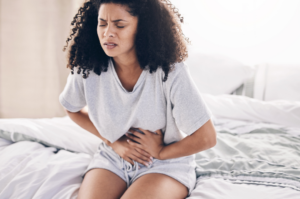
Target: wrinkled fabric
181 169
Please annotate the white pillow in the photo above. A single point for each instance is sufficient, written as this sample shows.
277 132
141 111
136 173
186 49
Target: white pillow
237 107
272 82
58 132
277 82
217 74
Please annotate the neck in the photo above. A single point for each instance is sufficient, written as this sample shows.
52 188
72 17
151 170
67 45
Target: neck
127 63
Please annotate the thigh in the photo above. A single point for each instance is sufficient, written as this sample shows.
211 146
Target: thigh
156 186
101 183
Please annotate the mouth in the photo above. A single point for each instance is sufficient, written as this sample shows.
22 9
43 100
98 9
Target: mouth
110 45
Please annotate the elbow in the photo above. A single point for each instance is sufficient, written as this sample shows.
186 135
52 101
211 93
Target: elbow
207 135
213 136
211 144
213 141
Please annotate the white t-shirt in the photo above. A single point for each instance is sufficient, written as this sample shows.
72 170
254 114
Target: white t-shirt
113 110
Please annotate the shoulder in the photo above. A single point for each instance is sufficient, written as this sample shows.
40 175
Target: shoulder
179 70
75 74
181 67
80 76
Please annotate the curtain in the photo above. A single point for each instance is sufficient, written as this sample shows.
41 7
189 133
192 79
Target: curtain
32 64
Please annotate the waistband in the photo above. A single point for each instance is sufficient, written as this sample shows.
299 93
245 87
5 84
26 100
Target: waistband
124 165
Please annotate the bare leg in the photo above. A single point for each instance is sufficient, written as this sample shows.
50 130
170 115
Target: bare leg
156 186
101 183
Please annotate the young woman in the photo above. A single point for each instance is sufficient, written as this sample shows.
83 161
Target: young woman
141 100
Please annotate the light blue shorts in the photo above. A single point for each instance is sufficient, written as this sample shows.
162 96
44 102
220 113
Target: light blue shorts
181 169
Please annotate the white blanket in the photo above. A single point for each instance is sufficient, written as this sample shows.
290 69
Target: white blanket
28 169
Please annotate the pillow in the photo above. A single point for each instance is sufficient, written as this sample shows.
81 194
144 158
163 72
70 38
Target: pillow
282 112
217 74
58 132
272 82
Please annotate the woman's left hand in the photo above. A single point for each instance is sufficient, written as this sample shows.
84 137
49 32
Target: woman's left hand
151 142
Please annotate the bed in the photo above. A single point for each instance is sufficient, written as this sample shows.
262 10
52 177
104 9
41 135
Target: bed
257 154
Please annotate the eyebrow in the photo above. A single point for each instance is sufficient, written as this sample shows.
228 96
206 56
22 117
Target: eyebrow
117 20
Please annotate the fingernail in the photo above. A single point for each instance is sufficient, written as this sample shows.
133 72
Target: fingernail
147 164
151 158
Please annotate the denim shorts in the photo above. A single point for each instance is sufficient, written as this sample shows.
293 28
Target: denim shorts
181 169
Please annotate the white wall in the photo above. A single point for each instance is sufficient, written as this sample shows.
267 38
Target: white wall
251 31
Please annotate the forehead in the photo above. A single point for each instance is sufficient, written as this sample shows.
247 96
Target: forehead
111 11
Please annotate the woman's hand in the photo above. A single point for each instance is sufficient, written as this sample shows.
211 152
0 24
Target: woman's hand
129 152
149 141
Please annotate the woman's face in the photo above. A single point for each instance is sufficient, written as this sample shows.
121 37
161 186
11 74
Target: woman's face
116 29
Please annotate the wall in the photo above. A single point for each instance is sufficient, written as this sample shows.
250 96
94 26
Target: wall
251 31
32 64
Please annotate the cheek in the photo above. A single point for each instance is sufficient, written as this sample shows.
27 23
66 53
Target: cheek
99 33
128 38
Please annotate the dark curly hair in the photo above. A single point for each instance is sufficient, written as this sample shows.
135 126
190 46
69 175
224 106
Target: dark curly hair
87 53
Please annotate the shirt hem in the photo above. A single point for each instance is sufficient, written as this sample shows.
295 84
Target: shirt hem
198 124
68 106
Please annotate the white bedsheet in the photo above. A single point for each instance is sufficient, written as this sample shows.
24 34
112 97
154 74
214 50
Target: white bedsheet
29 170
214 188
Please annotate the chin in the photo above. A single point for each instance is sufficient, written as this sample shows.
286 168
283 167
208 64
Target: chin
111 54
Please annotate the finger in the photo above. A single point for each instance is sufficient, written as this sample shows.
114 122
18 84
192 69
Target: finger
135 129
136 138
129 160
132 137
135 145
151 132
145 153
136 134
138 159
141 156
159 132
140 130
147 132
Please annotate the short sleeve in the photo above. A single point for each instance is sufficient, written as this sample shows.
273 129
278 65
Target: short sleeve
72 97
188 107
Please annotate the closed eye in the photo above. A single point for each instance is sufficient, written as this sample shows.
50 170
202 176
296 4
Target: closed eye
117 26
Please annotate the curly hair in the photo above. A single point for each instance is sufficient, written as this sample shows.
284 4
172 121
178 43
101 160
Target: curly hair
86 51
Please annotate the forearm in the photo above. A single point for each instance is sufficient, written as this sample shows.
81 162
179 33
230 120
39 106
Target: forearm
187 146
82 119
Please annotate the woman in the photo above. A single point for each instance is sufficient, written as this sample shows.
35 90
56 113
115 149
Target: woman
141 100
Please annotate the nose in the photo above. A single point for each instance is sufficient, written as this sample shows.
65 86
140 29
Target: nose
108 31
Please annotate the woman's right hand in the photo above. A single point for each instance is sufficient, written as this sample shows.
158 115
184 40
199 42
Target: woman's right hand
130 153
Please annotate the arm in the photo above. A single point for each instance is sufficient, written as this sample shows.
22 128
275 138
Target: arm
82 119
202 139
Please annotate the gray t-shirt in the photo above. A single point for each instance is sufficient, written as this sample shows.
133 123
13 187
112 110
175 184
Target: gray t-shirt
178 110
